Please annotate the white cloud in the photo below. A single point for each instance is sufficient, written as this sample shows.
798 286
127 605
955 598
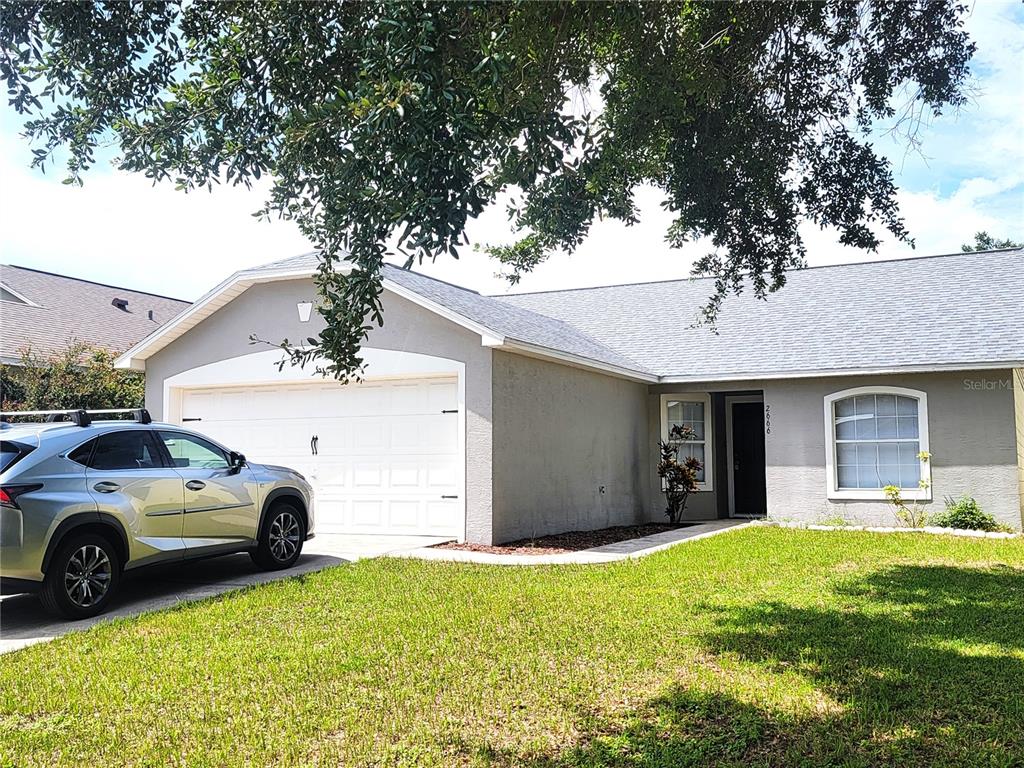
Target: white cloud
120 229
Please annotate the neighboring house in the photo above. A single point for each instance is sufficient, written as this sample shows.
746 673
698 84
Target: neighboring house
495 418
45 312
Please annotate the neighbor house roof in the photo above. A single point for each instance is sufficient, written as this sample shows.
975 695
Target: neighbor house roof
44 312
958 311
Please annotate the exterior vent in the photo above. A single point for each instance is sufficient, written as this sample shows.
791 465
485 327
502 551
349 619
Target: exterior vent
149 314
121 304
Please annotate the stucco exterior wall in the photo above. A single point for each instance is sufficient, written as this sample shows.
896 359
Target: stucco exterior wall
561 434
268 310
972 442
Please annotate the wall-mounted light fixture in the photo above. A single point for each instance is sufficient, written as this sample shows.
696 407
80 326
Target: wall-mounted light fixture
305 309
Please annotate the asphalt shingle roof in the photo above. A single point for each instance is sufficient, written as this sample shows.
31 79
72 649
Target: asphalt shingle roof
956 309
511 321
964 308
64 309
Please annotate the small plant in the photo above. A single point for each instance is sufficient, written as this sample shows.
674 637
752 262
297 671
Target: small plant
965 513
679 479
911 515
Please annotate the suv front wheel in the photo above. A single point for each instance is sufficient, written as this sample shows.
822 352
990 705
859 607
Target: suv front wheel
82 577
281 539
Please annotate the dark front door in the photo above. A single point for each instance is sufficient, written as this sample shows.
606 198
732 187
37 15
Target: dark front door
748 458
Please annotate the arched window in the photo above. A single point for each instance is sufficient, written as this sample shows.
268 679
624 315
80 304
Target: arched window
875 437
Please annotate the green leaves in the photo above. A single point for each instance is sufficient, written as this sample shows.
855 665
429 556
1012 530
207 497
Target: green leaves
387 126
79 376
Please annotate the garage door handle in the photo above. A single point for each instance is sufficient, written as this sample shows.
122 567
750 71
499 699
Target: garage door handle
195 485
449 497
106 487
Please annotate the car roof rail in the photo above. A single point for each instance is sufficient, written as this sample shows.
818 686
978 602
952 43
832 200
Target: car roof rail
81 416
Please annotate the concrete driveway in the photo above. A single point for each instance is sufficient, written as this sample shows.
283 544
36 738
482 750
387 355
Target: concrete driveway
24 622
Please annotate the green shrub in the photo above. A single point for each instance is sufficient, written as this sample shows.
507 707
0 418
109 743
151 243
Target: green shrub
679 480
80 376
966 514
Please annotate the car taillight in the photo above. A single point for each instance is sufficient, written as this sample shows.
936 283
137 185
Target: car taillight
9 494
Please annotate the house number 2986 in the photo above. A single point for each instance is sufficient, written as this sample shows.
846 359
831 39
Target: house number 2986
767 419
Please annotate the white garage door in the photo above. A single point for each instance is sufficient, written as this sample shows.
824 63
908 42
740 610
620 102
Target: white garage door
383 457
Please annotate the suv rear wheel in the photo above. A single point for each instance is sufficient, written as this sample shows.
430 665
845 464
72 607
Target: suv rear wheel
281 539
82 577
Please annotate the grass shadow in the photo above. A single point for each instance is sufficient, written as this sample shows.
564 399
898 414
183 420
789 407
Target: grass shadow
925 665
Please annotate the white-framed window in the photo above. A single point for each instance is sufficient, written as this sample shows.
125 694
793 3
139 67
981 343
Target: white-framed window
691 410
874 437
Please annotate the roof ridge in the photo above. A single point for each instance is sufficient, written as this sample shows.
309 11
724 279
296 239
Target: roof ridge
93 282
280 262
693 279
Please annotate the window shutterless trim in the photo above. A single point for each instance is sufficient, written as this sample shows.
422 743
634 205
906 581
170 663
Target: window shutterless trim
832 489
695 397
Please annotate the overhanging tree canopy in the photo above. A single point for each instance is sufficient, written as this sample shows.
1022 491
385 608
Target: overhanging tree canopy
387 126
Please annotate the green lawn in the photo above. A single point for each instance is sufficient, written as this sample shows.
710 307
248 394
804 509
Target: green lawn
761 646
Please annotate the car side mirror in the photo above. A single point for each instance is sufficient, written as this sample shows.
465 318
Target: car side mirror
237 460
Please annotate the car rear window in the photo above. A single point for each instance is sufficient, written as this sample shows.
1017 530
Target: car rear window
82 453
125 450
12 452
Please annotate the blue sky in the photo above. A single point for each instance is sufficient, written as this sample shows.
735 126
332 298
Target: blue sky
120 229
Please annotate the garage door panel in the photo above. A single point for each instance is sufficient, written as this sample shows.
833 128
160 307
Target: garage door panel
333 470
386 453
368 435
404 475
368 477
404 514
442 515
441 397
407 398
440 476
368 513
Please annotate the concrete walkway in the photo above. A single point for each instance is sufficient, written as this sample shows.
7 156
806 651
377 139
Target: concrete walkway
609 553
24 622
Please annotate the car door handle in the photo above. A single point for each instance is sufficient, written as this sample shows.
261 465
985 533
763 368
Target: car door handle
195 485
106 487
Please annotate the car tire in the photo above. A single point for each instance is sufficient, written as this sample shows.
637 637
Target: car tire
82 577
281 539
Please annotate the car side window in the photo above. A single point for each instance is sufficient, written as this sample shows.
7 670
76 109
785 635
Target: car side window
189 451
131 449
82 453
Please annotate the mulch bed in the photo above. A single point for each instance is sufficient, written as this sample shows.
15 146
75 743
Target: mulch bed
573 541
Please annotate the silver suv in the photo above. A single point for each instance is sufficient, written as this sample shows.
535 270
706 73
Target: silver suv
82 501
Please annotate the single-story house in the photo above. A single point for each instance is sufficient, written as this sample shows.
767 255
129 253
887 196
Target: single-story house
44 313
492 418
